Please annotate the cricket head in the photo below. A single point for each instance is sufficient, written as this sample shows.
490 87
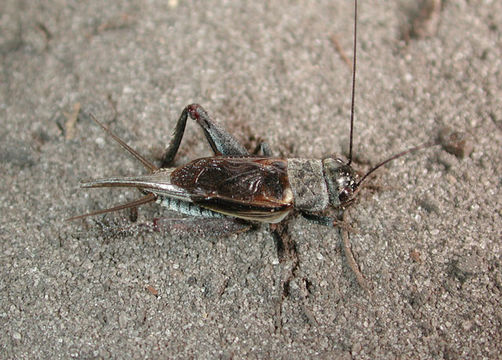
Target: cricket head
341 181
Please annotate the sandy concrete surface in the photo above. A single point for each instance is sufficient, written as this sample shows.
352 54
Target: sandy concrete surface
427 233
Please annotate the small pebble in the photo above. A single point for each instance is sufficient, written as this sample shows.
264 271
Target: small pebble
456 142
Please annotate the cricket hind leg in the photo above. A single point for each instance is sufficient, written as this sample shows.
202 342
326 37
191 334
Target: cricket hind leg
220 140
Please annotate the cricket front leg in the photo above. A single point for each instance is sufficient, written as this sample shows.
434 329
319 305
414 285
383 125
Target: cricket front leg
220 140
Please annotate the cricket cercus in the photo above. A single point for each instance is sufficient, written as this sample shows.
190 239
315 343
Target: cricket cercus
235 185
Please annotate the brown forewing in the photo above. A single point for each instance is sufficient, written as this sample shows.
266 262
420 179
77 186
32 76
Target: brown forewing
252 188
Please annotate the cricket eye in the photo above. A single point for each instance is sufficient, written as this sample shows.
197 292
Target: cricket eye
345 194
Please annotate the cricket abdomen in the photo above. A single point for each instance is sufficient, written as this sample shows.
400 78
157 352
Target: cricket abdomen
187 208
306 179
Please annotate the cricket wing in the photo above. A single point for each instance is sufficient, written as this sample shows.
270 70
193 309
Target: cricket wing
249 188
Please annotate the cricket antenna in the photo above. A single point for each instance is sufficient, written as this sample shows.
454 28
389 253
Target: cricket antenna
394 157
353 85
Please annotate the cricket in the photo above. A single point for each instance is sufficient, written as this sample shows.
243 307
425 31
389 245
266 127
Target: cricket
241 187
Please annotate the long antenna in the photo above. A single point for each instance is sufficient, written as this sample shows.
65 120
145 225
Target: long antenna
402 153
353 85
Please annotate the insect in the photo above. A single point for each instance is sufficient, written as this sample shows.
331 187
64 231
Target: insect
236 184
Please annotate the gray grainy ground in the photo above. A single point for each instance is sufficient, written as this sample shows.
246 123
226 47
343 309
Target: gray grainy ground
429 242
